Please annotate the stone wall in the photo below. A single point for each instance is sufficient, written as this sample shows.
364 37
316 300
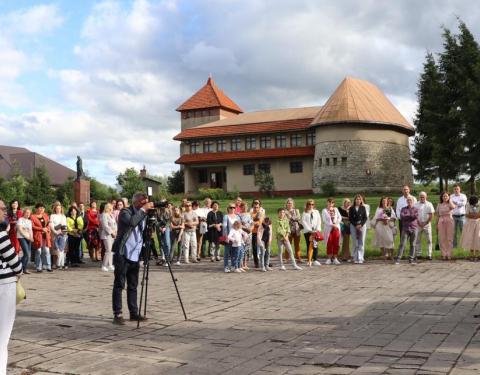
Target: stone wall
363 166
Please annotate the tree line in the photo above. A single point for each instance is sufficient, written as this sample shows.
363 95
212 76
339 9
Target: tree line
446 145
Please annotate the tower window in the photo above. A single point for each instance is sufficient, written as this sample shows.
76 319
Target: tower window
334 162
344 162
310 139
327 162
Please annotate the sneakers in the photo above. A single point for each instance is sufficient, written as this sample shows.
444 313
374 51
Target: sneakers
49 270
397 261
212 259
283 268
316 263
336 261
269 268
242 270
111 268
226 270
264 269
104 269
217 258
297 267
177 263
412 261
237 270
118 320
329 261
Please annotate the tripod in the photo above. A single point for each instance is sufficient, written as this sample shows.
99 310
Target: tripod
147 250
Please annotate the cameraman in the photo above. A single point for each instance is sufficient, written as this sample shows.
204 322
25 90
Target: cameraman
127 249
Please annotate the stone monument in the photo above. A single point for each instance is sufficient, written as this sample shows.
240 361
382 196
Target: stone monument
81 186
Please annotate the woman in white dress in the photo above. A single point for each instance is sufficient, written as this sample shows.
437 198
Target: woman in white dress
471 229
108 232
384 224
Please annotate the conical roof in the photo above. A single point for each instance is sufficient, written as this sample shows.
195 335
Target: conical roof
359 101
209 96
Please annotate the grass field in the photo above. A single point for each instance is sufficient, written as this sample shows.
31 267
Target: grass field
272 204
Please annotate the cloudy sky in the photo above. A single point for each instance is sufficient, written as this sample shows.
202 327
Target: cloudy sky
102 79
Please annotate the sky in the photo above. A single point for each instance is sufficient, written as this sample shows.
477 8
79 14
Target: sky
102 79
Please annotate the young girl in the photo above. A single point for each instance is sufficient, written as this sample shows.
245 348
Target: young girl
282 233
264 240
235 237
331 232
176 226
471 230
384 223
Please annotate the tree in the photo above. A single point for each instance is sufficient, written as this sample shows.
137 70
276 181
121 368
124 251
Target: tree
176 182
102 192
130 182
427 119
38 188
264 181
65 192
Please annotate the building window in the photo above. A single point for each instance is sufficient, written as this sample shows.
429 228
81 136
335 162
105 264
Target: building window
208 146
250 143
296 167
344 161
194 147
264 167
334 162
221 145
295 140
310 139
202 176
281 141
327 162
320 162
235 144
265 142
248 169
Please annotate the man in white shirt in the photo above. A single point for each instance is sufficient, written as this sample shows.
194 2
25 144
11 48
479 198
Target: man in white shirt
425 217
402 202
460 201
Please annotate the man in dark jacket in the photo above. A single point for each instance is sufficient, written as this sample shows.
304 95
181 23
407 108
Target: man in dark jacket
127 249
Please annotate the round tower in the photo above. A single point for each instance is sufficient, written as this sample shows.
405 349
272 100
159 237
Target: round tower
361 141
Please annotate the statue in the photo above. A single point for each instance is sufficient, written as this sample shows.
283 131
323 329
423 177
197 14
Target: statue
80 173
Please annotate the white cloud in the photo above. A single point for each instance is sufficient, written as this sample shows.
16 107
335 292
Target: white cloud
39 19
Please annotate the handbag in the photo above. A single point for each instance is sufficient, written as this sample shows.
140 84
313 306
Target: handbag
318 236
223 240
21 294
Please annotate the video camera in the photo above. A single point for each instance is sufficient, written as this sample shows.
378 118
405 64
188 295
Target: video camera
152 212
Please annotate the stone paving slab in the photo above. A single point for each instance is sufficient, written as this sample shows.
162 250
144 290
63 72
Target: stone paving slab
374 318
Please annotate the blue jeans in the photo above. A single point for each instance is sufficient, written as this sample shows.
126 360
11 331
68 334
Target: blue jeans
240 256
459 221
234 253
26 246
165 243
263 254
42 256
358 242
227 251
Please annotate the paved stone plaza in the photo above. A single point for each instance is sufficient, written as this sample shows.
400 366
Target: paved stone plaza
366 319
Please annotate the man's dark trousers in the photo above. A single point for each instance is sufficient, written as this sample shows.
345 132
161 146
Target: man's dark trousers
125 270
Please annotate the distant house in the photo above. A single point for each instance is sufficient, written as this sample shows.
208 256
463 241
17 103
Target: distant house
150 181
26 161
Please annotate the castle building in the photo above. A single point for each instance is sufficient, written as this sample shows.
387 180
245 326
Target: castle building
358 141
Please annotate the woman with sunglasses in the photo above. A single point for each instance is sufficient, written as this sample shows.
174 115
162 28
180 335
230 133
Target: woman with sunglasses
229 253
312 223
358 218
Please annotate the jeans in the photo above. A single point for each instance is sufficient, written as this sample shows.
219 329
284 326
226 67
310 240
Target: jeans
227 253
240 256
412 237
42 257
358 243
459 220
234 252
263 254
26 246
125 271
165 243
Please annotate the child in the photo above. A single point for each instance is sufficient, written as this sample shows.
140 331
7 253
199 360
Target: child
264 240
282 231
235 237
60 243
471 230
176 234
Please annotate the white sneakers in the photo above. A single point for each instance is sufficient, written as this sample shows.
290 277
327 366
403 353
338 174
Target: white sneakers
316 263
226 270
283 268
336 261
111 268
297 267
104 269
329 261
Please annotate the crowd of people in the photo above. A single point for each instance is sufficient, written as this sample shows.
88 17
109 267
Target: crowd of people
191 231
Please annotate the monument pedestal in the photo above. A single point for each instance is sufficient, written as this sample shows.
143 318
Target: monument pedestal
81 189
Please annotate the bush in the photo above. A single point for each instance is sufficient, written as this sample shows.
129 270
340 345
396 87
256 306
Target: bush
265 182
329 188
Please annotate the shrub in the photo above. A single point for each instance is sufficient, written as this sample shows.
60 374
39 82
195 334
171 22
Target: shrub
265 182
329 188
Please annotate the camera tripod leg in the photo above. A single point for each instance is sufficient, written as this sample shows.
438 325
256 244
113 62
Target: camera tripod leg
176 289
144 285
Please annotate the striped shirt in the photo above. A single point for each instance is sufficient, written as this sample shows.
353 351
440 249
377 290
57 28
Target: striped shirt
10 265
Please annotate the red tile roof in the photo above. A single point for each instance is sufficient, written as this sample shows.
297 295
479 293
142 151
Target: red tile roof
209 96
242 129
274 153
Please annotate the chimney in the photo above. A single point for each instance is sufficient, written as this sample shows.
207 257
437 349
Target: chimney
143 172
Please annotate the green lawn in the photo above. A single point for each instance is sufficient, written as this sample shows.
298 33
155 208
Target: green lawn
272 204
